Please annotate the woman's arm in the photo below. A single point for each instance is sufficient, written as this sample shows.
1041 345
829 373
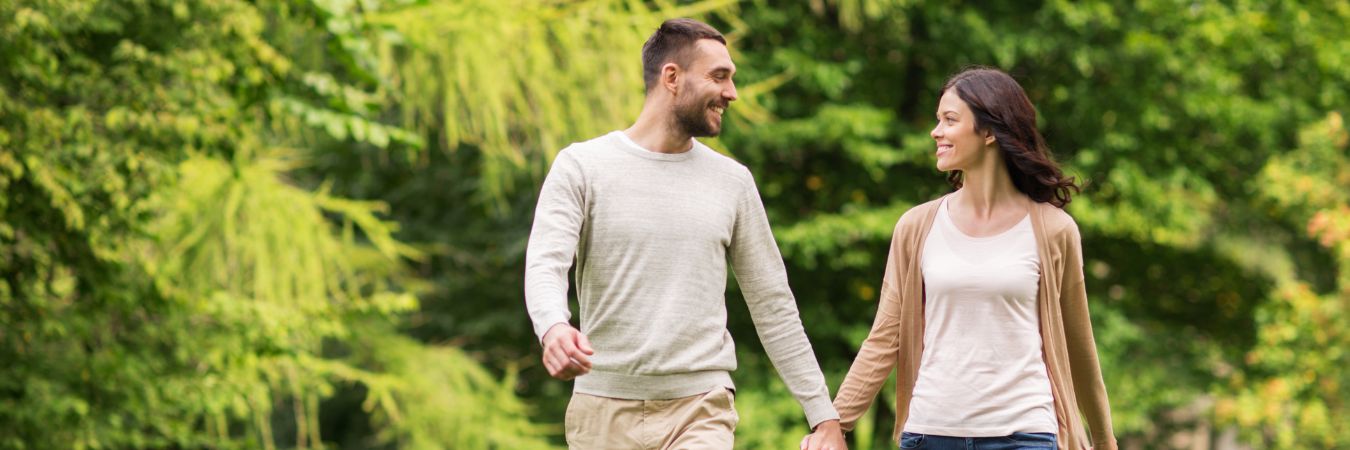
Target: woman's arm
1087 373
879 351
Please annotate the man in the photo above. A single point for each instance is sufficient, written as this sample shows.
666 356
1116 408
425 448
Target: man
652 217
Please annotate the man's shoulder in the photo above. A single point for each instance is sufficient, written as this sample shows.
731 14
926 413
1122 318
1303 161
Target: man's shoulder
589 149
722 162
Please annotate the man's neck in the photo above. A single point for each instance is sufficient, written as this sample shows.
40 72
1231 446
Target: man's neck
655 132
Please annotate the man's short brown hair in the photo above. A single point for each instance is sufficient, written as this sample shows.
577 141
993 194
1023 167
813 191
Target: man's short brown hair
672 42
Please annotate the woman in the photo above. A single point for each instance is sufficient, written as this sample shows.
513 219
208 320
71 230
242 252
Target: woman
983 309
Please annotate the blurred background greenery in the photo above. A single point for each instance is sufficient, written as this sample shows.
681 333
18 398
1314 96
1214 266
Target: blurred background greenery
301 223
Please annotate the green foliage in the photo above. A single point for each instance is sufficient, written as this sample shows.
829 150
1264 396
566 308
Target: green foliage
769 416
1164 110
1295 392
437 397
266 280
518 80
301 223
167 284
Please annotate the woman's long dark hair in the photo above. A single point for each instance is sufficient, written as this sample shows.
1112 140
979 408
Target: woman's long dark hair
1002 108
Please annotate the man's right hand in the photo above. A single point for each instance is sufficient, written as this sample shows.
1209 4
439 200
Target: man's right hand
566 352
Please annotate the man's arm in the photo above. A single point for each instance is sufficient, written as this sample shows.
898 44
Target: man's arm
763 279
553 243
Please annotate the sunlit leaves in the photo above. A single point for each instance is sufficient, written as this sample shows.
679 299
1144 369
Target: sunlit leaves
519 80
1295 394
168 283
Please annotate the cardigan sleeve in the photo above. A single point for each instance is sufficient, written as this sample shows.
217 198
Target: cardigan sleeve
877 357
1086 371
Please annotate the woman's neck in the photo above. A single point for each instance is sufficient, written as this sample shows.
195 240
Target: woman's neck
988 187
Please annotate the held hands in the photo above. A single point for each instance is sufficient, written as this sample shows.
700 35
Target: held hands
827 436
566 352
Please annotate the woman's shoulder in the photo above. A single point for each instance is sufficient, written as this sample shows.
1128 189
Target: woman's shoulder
1057 221
918 215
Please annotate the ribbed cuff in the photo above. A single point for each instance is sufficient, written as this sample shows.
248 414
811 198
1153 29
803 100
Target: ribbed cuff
819 410
651 387
545 323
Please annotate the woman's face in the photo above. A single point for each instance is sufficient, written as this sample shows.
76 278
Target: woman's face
959 146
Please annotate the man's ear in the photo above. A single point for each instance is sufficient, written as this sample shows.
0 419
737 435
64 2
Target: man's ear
670 77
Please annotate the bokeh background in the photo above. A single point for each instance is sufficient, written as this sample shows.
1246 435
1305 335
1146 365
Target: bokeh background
301 223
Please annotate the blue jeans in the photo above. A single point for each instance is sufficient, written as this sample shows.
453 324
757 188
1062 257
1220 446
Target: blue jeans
1015 441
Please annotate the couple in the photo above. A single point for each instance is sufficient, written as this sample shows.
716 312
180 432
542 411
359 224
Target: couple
982 309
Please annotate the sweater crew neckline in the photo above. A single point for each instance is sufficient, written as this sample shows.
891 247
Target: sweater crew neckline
628 145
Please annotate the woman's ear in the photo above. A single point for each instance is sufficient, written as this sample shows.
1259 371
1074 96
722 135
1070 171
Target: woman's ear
989 138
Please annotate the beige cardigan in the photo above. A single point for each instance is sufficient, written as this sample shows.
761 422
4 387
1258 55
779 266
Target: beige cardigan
896 339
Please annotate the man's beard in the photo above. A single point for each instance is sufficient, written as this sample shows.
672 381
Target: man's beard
692 119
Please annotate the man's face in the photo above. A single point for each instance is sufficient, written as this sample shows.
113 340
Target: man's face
705 90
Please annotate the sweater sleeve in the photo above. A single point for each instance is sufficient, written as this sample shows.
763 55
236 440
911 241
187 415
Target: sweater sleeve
762 277
1086 371
553 242
877 356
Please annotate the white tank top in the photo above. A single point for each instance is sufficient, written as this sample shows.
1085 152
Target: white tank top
982 373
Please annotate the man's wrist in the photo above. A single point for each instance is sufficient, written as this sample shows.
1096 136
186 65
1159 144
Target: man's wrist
544 339
827 425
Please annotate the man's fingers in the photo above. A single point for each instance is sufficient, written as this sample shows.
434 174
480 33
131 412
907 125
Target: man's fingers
819 442
558 357
825 440
577 369
554 364
557 361
552 368
579 358
582 370
573 371
561 366
569 346
561 371
584 344
567 353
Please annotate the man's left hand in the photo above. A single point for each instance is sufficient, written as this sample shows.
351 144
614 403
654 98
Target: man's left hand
827 436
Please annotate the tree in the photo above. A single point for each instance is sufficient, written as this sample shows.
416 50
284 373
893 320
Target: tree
1166 113
166 285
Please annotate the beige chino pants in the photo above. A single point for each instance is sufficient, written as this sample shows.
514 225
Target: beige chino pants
700 422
